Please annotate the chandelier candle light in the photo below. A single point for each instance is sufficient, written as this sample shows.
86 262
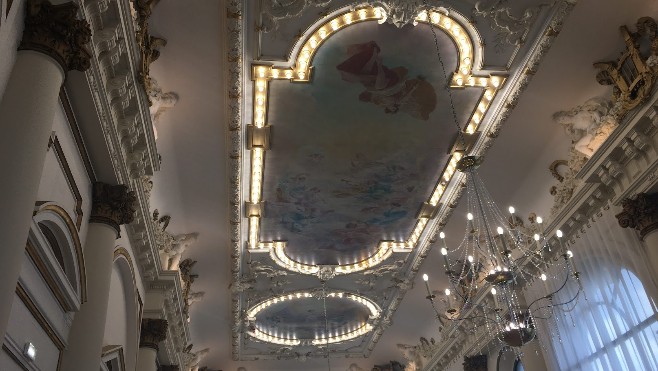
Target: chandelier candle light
497 256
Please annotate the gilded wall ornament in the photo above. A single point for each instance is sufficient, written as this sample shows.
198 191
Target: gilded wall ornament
640 213
113 205
56 31
153 332
634 74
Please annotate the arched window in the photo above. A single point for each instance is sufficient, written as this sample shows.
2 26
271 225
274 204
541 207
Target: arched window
614 324
54 245
614 329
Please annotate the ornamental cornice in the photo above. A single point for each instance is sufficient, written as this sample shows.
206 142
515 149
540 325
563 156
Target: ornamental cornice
153 332
56 31
126 124
113 205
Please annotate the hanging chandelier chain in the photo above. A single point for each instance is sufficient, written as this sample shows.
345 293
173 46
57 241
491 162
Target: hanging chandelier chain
445 77
326 323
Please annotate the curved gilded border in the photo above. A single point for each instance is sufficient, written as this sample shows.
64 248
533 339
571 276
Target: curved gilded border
73 231
252 313
299 69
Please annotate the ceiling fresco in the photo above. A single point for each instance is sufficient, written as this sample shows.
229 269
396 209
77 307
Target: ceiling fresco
357 151
348 171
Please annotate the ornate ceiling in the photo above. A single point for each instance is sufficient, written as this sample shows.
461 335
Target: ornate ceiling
344 154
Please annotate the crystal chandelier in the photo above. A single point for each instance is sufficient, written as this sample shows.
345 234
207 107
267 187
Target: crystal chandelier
496 258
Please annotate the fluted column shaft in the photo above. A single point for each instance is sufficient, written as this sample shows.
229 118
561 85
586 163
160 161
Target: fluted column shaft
52 44
112 207
153 332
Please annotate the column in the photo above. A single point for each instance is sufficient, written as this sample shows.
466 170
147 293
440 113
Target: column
641 214
112 206
52 44
153 332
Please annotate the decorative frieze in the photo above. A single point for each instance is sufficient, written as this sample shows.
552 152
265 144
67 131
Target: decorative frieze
113 205
640 213
153 332
56 31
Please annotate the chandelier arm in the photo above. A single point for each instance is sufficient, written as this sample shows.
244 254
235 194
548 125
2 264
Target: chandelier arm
549 296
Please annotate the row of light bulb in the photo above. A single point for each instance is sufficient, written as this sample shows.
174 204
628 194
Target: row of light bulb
279 255
384 252
344 337
260 335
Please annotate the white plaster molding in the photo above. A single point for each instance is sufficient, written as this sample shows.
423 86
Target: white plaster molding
127 125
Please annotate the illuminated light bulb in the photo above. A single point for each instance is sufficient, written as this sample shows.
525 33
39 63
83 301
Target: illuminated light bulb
275 74
498 268
444 251
500 230
539 220
543 277
334 24
436 17
483 82
536 237
447 292
313 43
425 277
495 81
467 61
488 94
482 107
362 14
469 216
261 71
493 291
471 81
558 233
447 23
459 81
422 16
322 33
464 70
569 253
348 18
476 118
492 271
511 210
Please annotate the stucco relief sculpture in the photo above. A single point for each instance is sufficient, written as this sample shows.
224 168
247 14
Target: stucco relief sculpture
149 45
193 359
276 10
418 355
160 102
171 246
588 126
511 28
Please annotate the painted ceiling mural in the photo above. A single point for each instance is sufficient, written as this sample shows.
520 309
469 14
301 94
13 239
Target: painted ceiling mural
357 151
348 165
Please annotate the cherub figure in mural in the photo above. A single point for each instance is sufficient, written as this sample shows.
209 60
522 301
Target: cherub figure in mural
386 87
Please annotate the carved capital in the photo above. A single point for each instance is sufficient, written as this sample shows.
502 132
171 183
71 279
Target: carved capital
640 213
113 205
153 332
169 368
54 30
475 363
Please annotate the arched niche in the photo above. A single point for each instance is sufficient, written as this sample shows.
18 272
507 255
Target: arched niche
54 245
123 312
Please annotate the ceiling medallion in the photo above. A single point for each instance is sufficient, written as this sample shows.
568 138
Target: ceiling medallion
404 12
299 70
257 329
